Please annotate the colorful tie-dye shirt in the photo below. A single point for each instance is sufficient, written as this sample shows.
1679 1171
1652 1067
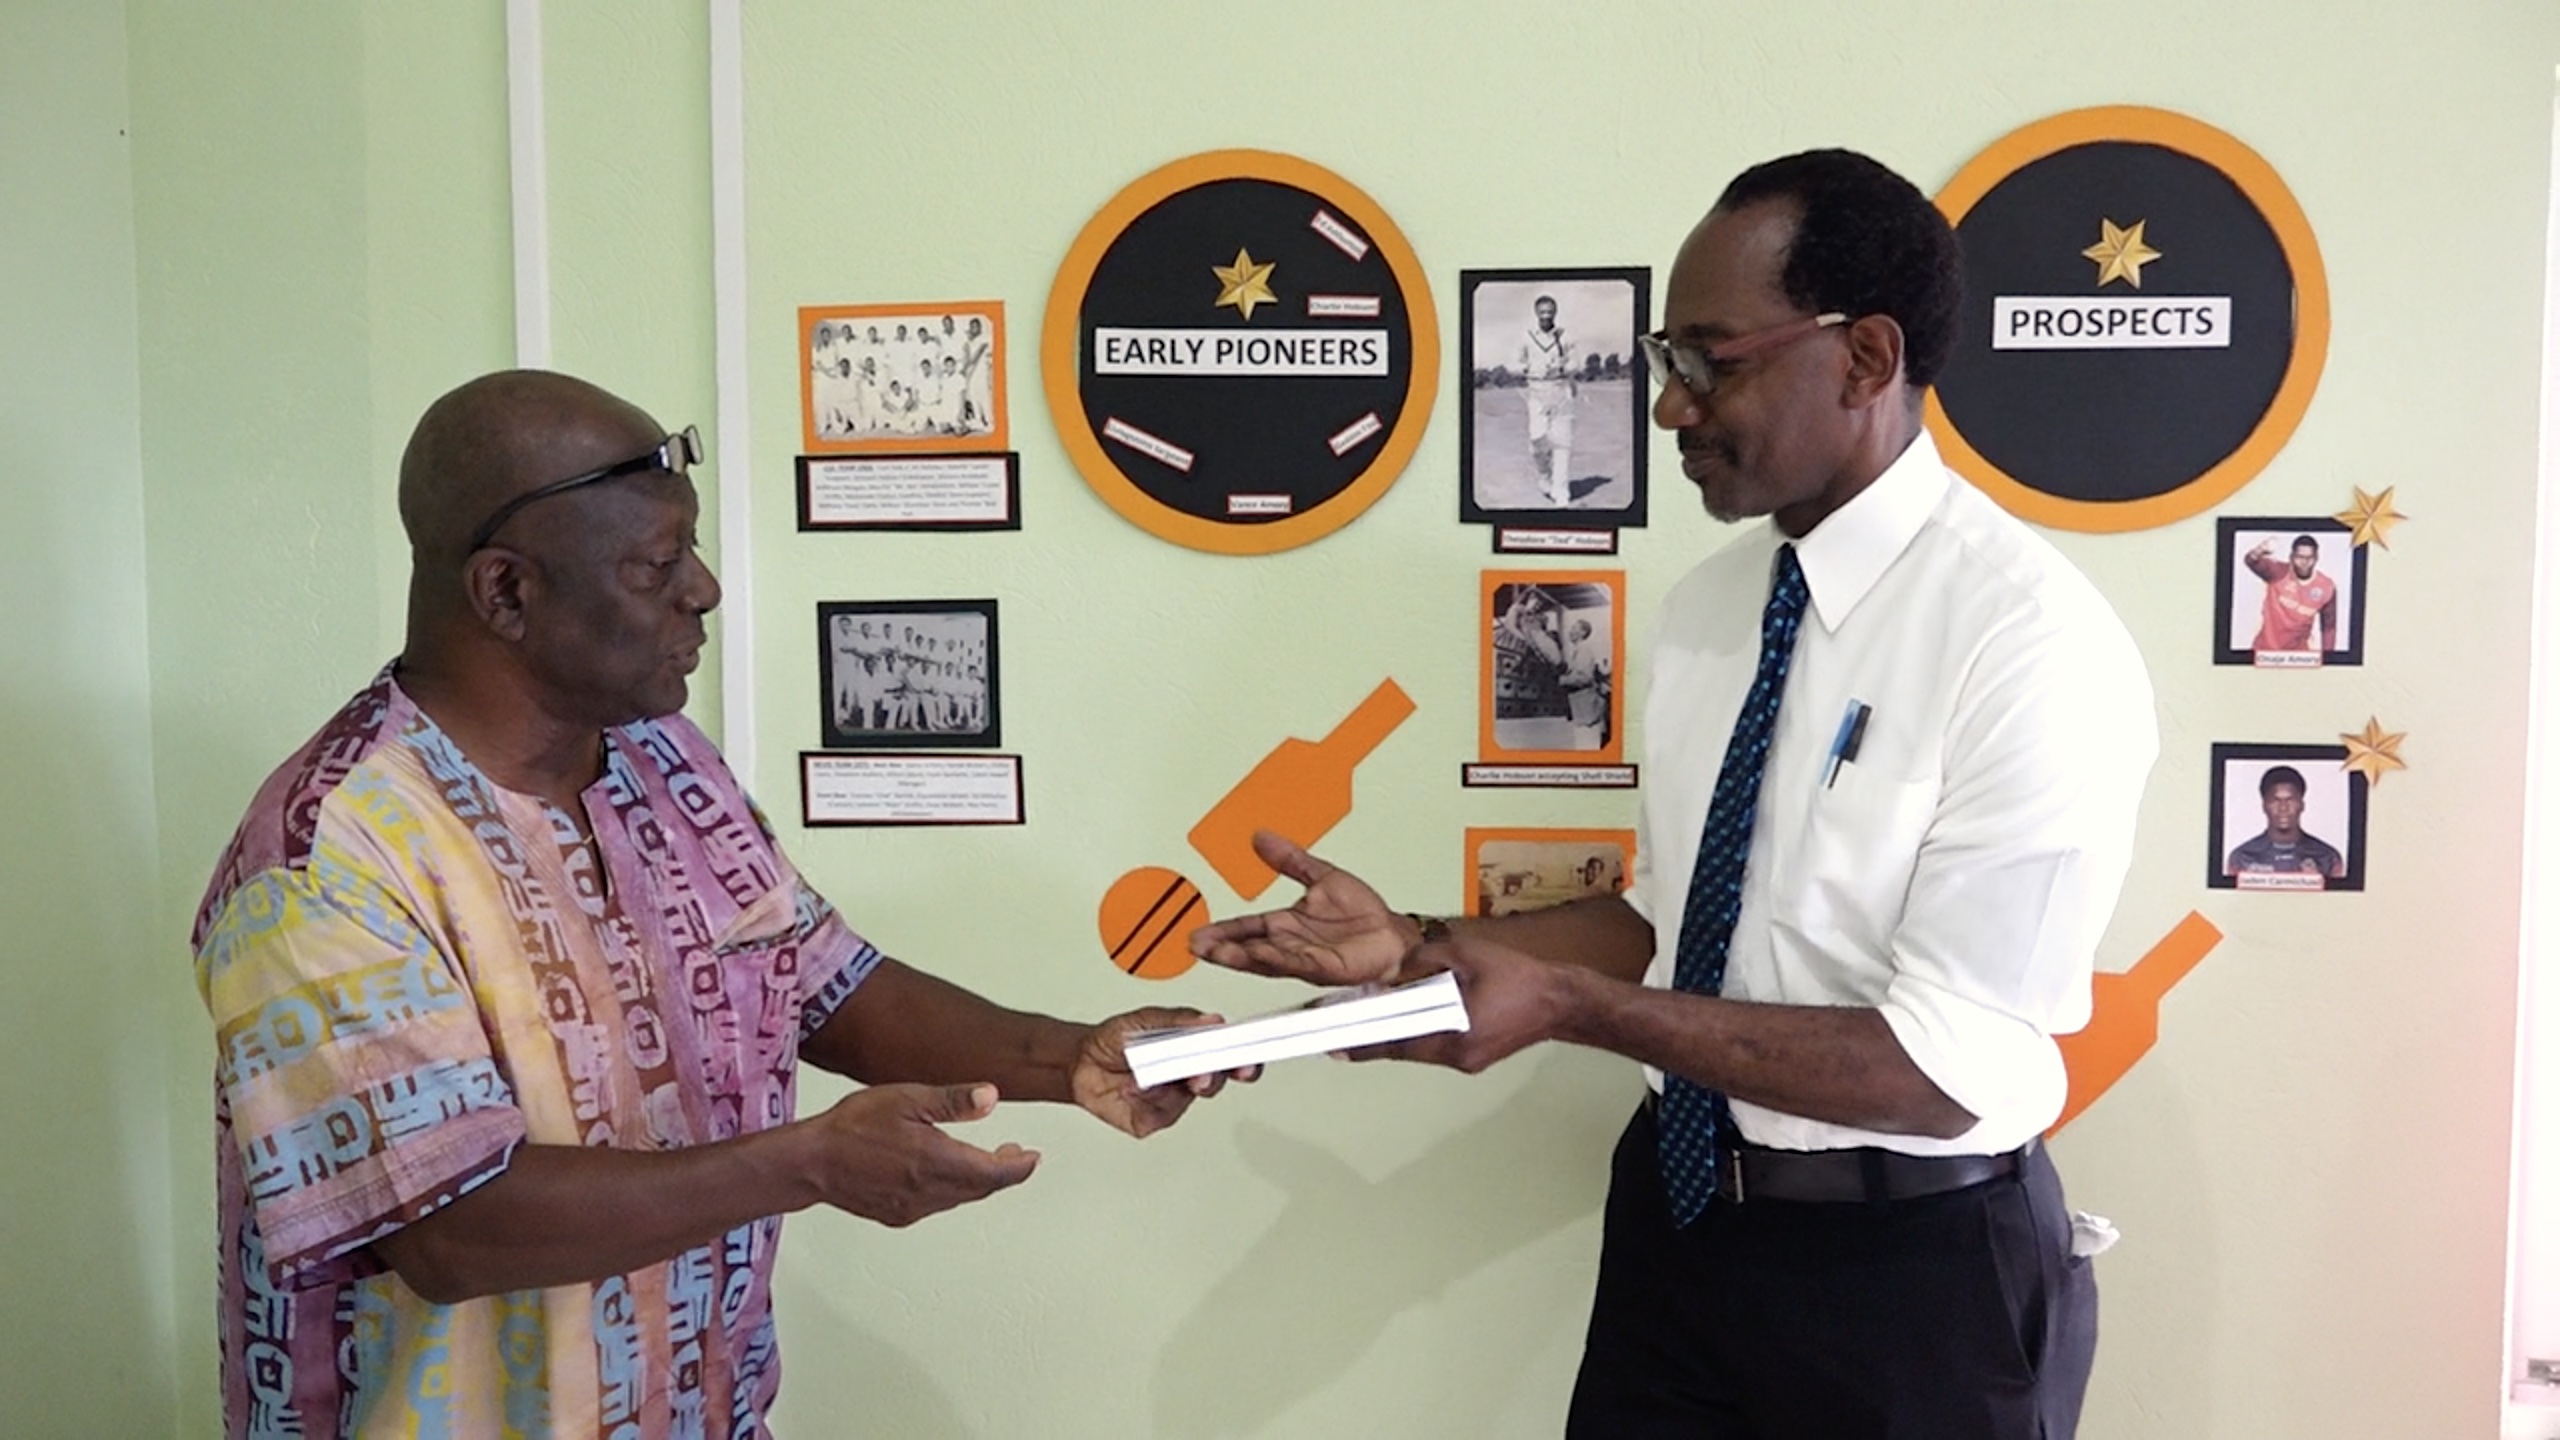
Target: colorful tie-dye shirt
411 972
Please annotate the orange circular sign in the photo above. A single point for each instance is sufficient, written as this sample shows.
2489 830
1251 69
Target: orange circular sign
2145 321
1240 352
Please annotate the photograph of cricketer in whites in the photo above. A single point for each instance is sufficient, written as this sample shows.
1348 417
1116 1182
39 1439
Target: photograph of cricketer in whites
1554 410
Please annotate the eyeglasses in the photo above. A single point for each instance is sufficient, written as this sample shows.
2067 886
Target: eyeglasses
1694 366
675 455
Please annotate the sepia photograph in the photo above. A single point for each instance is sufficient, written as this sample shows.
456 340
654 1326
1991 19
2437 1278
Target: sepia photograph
2289 593
907 673
1554 643
2285 817
1556 396
1514 870
886 379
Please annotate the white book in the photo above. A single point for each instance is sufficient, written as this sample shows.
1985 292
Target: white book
1338 1020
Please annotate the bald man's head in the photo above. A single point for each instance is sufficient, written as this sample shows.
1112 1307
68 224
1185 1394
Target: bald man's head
495 438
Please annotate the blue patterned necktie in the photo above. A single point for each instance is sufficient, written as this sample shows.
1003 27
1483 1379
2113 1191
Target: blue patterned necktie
1691 1113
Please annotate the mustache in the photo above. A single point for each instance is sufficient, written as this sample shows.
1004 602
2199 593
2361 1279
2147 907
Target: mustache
1694 442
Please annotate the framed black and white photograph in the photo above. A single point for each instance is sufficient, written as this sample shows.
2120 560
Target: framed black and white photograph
889 379
907 673
1556 397
2285 817
2288 593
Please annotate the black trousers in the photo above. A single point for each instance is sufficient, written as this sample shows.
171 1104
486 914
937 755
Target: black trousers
1962 1315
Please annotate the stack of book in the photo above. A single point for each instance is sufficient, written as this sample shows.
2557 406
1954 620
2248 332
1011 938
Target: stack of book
1339 1020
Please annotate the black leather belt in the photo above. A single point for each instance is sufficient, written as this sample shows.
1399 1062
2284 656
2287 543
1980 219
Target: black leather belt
1747 1172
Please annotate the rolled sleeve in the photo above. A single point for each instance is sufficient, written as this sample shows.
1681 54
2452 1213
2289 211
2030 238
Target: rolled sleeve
2020 871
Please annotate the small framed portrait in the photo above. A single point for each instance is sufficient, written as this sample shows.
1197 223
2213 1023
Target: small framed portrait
907 673
1509 871
2288 594
1556 397
1554 644
2285 817
902 379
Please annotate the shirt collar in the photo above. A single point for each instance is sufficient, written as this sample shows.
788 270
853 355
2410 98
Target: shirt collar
1849 551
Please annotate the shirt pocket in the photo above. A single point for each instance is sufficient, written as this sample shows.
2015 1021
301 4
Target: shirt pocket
1842 882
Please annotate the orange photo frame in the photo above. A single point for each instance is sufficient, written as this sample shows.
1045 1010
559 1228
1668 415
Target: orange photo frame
1516 869
961 409
1542 688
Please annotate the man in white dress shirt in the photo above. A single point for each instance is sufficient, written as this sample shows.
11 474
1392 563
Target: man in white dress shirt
1944 817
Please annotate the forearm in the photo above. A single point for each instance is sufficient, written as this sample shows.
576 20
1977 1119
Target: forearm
567 1214
902 1024
1837 1064
1603 935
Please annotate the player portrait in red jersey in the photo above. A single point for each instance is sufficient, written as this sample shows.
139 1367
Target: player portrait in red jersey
2290 594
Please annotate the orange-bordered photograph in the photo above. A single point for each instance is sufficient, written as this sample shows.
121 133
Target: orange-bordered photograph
1514 870
1553 645
903 378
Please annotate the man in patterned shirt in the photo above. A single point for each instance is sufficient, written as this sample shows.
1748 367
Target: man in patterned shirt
510 983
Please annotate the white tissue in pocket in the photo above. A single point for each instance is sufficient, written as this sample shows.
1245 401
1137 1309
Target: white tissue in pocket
2092 1234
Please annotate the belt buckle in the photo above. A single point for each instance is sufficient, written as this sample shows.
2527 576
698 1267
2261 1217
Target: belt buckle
1729 1184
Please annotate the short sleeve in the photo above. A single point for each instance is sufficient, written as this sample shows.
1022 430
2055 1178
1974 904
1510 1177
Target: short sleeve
833 960
351 1061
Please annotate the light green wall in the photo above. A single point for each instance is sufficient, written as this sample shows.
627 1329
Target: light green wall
2310 1170
232 333
86 1260
320 202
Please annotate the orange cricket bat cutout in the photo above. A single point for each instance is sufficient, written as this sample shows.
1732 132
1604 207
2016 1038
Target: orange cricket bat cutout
1301 790
2124 1014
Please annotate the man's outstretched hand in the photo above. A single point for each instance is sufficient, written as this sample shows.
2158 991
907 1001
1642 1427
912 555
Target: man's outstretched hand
1102 1084
1339 932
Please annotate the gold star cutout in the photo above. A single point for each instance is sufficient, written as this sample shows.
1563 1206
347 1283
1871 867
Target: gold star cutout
2372 518
2120 253
1247 284
2373 752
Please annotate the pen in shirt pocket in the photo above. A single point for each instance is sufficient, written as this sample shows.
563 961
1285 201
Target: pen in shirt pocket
1844 745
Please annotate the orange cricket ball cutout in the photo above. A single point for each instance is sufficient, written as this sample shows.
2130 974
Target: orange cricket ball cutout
1146 920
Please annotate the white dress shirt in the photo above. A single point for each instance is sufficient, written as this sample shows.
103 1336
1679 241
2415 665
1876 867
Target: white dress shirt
1955 874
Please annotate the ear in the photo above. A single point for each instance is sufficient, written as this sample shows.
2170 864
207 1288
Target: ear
495 582
1875 361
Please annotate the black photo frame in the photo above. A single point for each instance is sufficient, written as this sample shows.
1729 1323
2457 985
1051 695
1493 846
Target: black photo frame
1507 438
2241 605
907 674
2333 806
